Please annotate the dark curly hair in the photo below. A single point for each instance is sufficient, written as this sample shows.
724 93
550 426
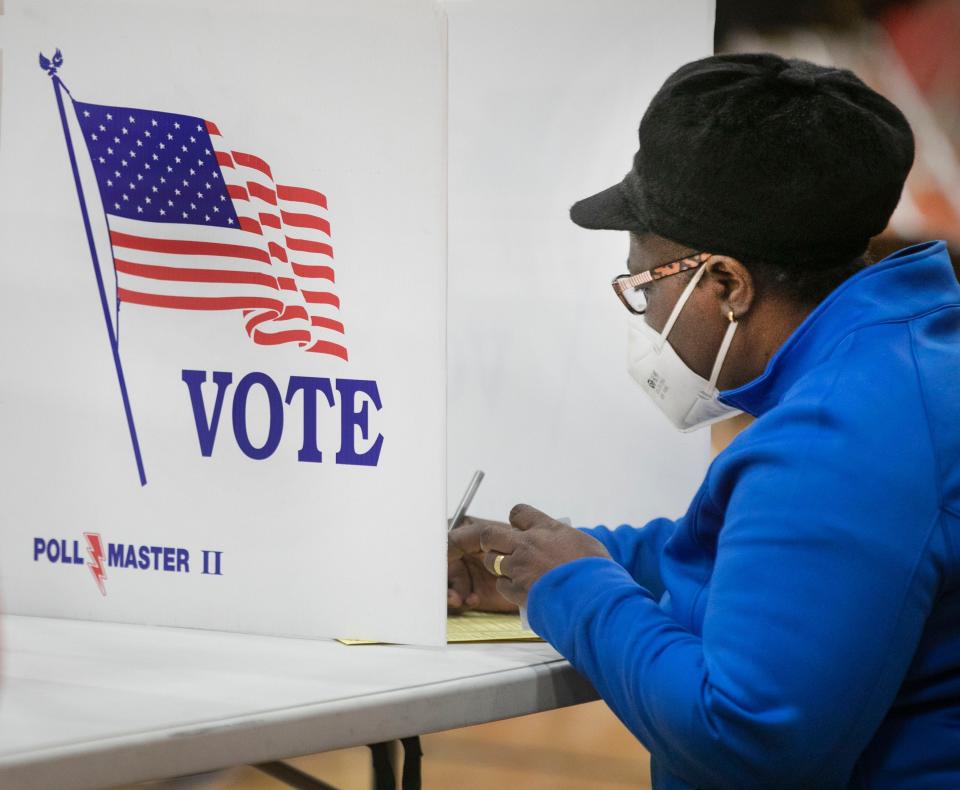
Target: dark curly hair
807 285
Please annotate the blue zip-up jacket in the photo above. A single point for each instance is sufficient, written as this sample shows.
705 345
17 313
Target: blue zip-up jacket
799 626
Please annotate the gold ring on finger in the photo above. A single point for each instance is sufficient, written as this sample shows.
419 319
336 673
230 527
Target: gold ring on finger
497 562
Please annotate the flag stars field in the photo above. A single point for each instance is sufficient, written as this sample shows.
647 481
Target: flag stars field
148 150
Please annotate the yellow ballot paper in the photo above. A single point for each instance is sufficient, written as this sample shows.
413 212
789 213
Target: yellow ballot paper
476 627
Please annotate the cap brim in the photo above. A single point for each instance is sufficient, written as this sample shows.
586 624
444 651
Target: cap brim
608 210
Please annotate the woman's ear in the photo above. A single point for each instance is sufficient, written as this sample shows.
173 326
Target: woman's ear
733 285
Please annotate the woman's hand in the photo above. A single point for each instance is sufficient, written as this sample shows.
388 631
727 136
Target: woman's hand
531 544
469 584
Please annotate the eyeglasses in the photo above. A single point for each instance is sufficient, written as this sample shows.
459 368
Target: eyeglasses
628 288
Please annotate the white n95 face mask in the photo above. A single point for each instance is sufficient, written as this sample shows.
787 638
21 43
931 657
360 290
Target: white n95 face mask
689 401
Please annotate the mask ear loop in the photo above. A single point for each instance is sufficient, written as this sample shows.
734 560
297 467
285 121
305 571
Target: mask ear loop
722 353
675 314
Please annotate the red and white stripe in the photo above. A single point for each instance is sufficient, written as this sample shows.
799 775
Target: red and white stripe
277 267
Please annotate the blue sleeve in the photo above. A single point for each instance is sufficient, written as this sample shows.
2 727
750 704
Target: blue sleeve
823 579
638 550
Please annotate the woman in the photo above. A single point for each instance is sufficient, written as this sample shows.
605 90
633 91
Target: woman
799 626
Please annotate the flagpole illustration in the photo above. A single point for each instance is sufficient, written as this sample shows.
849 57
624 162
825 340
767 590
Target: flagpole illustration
51 65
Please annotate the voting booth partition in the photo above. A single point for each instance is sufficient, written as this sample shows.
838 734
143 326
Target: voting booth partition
272 271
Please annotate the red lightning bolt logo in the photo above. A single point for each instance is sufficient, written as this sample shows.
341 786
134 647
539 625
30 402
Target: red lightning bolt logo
96 564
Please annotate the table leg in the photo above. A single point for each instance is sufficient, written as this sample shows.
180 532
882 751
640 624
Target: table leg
412 754
293 777
384 757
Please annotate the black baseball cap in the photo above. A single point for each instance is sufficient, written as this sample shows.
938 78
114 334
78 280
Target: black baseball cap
763 159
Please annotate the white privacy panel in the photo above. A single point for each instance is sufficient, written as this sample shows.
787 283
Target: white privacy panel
222 390
225 392
545 99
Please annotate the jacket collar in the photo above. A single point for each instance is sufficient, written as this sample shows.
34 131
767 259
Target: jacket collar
906 284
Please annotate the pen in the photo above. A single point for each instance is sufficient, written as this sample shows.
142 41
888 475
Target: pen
465 502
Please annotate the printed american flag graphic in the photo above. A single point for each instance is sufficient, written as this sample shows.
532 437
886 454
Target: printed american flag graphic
196 225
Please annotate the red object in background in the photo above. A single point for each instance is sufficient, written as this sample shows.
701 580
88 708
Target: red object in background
926 37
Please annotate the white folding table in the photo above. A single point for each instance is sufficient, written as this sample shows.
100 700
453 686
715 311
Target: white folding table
92 705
